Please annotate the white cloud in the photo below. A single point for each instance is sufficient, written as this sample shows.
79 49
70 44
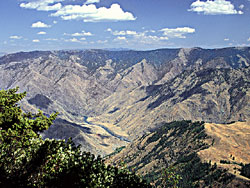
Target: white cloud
83 33
127 32
15 37
119 33
74 40
226 39
215 7
149 39
90 13
35 40
41 33
163 38
43 5
240 12
120 38
77 34
40 24
178 32
54 22
109 30
150 31
248 39
142 37
92 1
241 6
102 41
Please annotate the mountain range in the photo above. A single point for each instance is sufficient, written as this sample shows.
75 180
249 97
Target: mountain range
106 99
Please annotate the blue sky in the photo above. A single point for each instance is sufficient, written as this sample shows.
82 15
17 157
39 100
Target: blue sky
28 25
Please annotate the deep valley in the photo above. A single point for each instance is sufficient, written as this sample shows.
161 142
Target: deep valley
112 99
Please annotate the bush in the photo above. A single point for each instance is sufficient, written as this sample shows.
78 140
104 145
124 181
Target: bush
245 170
28 161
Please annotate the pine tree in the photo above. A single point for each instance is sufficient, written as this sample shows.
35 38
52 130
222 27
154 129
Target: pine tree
26 160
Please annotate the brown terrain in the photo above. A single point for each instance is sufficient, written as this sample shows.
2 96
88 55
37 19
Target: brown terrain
108 99
231 142
127 93
228 142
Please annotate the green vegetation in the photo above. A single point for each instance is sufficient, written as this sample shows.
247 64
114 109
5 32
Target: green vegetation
194 172
186 162
177 164
230 162
170 178
245 170
117 150
225 162
28 161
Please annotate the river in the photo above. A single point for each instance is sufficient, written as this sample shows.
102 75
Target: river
85 119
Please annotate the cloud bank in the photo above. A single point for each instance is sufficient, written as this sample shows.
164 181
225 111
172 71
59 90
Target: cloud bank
88 12
43 5
92 1
151 36
81 34
178 32
216 7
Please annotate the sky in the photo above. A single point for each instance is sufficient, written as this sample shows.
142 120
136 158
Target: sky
27 25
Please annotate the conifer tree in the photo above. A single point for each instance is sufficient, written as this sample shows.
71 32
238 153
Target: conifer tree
26 160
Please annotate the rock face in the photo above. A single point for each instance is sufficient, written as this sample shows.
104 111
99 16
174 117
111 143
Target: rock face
129 92
207 95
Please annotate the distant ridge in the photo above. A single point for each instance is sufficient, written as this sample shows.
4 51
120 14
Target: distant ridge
130 92
125 49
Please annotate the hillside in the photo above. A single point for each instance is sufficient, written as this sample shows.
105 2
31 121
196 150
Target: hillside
231 145
210 95
196 152
105 99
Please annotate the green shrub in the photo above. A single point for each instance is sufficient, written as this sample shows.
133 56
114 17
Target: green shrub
28 161
245 170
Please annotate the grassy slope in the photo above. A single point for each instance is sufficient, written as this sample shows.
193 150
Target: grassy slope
231 144
177 144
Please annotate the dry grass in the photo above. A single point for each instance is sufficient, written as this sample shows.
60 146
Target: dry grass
231 142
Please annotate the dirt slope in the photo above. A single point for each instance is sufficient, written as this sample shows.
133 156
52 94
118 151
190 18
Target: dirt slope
230 143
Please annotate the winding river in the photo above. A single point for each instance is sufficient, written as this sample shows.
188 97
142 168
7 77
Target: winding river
85 119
